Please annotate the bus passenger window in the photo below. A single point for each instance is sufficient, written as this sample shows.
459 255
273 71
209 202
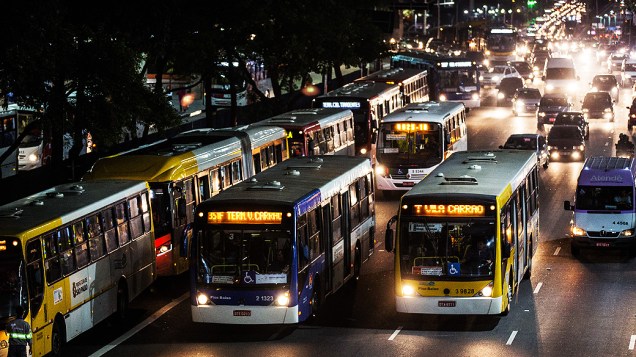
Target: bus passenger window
109 230
236 172
81 246
136 225
122 224
95 238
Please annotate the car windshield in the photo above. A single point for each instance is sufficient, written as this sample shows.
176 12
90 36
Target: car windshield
521 142
603 197
560 73
530 94
553 102
604 81
596 100
497 70
568 119
564 132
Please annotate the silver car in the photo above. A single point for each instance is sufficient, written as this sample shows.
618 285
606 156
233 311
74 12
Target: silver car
526 101
493 77
531 142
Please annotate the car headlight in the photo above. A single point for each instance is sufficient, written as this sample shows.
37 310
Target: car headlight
607 110
551 147
501 95
442 97
632 115
486 62
481 78
614 89
579 147
594 89
627 233
549 86
535 68
578 231
408 290
487 53
363 151
520 103
33 158
283 299
585 110
381 170
541 114
165 248
495 78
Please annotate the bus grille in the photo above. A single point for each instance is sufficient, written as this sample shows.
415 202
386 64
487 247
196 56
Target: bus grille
602 234
408 176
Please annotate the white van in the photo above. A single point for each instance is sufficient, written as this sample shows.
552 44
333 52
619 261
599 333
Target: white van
560 76
628 72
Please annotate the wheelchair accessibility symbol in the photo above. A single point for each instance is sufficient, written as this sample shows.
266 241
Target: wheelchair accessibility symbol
249 277
453 269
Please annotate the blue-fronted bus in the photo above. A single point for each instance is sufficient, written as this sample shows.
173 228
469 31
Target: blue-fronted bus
269 250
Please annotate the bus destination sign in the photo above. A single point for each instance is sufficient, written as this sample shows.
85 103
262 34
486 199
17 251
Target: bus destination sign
458 210
341 104
245 217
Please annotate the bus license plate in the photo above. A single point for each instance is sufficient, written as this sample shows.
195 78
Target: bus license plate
600 244
446 303
242 313
408 183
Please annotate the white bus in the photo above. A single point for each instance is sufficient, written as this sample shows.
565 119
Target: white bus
317 131
415 139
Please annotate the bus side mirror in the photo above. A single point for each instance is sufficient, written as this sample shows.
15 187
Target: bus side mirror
567 206
388 235
181 207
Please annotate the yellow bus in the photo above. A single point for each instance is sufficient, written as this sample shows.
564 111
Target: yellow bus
73 255
466 234
187 169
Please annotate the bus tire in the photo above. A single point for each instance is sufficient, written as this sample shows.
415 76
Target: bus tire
122 301
509 297
58 338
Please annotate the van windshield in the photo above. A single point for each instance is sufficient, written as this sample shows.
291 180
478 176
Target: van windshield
560 73
604 197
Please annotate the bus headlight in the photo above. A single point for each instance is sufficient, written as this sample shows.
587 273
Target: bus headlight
578 231
33 158
165 248
203 299
363 151
549 87
381 170
283 299
442 97
475 96
481 78
408 290
627 233
486 291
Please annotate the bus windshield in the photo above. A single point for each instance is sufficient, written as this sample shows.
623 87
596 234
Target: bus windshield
427 248
604 198
398 144
244 257
462 80
13 287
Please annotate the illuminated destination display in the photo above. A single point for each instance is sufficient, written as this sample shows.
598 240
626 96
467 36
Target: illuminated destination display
450 210
411 127
242 217
461 64
341 104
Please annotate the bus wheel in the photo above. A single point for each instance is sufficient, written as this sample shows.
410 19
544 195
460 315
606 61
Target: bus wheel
57 339
122 301
509 296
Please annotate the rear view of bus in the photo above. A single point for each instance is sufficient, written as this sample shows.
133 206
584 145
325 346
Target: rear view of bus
603 209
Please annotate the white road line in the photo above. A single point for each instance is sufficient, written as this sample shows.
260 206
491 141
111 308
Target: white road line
556 252
395 333
536 290
512 338
632 341
140 326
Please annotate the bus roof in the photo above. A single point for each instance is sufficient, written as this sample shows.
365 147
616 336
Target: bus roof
608 171
477 173
439 61
293 180
302 118
426 111
51 208
393 75
363 90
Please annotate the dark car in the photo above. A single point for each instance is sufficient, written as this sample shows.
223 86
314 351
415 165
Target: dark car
531 142
574 118
606 83
507 88
550 105
631 119
524 69
566 141
598 105
526 101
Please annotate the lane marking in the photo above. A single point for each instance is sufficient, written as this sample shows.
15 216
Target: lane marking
556 252
536 290
512 338
632 341
395 333
140 326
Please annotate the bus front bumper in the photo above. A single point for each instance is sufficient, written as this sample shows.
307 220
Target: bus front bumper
245 315
440 305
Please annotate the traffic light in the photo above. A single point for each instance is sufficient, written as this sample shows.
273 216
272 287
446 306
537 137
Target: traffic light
531 4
